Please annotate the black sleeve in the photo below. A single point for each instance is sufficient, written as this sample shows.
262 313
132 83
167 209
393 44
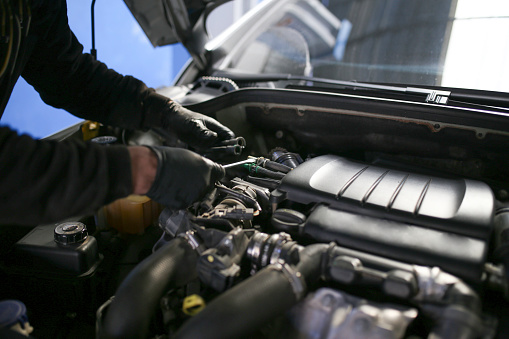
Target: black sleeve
46 181
66 78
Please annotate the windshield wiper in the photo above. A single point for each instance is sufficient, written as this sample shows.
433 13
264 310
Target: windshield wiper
431 95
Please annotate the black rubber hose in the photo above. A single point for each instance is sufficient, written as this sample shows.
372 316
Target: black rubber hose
252 303
310 262
268 173
139 295
275 166
242 309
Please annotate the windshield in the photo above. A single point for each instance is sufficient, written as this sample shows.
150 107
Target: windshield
449 43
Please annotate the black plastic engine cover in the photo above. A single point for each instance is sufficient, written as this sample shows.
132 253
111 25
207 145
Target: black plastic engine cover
415 218
459 206
457 254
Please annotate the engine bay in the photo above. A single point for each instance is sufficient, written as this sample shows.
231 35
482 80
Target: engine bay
385 221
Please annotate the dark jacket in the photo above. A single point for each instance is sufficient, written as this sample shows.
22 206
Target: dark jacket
46 181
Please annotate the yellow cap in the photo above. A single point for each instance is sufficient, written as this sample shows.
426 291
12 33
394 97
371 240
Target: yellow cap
193 304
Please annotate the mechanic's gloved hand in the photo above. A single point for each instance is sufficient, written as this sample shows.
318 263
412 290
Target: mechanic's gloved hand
195 129
183 177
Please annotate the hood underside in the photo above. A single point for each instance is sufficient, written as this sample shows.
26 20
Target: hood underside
166 22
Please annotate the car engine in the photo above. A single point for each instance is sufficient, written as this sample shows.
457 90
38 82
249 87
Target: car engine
330 223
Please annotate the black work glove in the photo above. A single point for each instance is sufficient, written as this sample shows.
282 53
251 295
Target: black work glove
195 129
182 177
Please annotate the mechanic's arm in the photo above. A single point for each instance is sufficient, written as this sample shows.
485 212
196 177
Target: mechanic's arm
44 181
66 78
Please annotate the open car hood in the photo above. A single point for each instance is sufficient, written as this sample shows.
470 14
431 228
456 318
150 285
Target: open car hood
167 22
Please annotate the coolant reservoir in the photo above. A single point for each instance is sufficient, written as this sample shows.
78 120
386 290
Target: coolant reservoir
131 214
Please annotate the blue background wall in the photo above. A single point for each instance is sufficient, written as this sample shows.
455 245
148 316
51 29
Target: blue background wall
120 43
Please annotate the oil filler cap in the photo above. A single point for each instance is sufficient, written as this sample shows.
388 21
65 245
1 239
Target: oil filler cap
68 233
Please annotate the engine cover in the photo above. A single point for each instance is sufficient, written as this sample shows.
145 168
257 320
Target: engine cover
416 218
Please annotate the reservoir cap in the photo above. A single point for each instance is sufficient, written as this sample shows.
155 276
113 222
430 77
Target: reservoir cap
68 233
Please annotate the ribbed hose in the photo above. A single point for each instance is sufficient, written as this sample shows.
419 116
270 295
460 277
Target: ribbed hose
242 309
254 302
139 295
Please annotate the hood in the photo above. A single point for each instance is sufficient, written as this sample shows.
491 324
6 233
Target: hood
166 22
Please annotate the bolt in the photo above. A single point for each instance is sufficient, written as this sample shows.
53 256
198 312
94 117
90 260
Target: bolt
345 269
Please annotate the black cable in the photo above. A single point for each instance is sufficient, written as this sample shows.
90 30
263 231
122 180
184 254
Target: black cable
8 34
16 38
28 19
16 41
255 169
274 166
263 182
93 51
